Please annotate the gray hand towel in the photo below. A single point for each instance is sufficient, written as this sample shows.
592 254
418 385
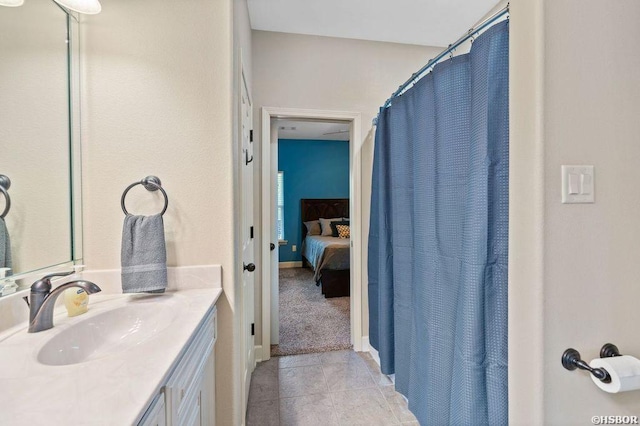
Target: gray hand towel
144 255
5 246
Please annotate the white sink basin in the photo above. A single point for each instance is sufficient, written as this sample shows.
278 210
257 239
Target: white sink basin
107 333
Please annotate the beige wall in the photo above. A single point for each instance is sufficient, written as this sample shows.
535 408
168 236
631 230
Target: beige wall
582 291
34 133
526 214
592 105
299 71
157 99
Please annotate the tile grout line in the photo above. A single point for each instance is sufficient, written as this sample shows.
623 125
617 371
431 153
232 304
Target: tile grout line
389 406
333 405
383 395
278 391
375 386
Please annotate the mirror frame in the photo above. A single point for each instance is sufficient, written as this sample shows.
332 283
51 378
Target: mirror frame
75 135
24 279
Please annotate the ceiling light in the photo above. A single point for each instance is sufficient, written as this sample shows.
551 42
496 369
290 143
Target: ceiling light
11 3
89 7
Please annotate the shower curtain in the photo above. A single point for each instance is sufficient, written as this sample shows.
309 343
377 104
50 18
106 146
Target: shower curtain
438 238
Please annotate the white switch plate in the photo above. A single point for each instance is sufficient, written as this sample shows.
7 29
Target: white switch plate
578 184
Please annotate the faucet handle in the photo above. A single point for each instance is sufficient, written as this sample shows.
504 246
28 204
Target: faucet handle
43 285
57 274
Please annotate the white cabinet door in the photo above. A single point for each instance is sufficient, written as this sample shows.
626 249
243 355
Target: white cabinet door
156 415
193 414
208 393
191 377
200 409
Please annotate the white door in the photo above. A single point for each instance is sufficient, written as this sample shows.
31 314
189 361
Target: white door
247 240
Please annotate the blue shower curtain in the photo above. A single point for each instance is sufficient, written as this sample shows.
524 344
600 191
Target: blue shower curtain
438 239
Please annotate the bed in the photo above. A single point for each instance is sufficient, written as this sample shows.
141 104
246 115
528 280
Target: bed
328 256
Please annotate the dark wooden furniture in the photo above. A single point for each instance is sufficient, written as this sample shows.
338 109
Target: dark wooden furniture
334 283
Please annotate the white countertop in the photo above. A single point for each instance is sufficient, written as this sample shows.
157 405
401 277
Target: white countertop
112 390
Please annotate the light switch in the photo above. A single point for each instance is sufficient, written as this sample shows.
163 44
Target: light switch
574 183
587 183
578 184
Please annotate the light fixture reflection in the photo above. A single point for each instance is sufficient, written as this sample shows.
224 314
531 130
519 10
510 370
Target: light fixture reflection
11 3
89 7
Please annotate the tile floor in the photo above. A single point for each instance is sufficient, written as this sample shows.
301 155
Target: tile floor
330 388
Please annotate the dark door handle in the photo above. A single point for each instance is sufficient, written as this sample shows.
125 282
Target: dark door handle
272 246
250 267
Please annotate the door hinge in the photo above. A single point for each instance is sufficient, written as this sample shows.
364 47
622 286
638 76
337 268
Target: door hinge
253 329
251 135
251 232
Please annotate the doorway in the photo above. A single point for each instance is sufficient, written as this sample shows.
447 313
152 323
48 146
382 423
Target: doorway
270 291
313 179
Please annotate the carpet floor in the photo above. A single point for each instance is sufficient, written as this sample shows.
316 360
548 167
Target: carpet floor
309 323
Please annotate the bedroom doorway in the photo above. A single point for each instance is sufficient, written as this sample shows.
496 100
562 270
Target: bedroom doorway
345 126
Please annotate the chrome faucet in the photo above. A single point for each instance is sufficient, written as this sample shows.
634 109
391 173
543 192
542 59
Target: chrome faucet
42 300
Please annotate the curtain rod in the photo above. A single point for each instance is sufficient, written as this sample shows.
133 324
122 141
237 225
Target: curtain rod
415 77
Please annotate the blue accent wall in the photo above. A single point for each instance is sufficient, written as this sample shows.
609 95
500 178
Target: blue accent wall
312 169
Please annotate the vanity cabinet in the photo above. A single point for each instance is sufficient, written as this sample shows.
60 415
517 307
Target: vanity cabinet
188 395
155 415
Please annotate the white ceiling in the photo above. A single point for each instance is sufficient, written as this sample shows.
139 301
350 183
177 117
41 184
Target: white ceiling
313 130
423 22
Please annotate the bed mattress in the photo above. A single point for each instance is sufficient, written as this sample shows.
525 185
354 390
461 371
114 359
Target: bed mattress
326 253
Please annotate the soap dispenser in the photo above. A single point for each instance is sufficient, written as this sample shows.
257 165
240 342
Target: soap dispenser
7 286
76 300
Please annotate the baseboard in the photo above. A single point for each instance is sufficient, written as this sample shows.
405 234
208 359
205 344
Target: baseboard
366 347
257 350
294 264
266 353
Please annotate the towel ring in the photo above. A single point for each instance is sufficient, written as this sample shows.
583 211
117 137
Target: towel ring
151 183
5 184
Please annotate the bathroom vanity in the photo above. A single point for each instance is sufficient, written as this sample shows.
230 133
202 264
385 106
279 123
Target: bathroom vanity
188 395
131 359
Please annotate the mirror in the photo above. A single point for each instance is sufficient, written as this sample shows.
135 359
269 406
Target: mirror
38 136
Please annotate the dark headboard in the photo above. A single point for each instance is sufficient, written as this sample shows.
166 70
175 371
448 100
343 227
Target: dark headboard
316 208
